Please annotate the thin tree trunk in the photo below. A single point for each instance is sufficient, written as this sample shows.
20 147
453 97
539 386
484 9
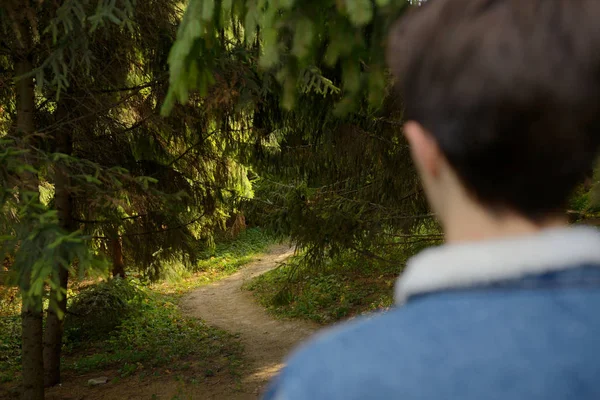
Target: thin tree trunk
117 258
58 298
31 313
53 334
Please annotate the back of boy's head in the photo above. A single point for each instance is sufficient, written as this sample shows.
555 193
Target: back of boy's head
510 90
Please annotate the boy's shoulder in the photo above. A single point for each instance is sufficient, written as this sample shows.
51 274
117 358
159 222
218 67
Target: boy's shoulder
356 358
436 345
319 368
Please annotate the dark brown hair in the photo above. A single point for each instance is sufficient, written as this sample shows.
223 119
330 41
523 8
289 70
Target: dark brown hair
510 90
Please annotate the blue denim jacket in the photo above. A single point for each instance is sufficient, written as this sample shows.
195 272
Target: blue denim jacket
509 319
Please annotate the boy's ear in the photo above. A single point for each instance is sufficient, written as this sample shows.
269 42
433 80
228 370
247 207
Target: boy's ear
425 151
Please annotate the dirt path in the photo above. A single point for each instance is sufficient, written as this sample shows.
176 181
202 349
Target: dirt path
266 340
223 304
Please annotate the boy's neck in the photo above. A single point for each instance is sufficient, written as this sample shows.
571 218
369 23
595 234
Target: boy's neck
475 223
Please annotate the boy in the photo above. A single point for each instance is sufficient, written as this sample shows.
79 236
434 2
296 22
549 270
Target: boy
502 110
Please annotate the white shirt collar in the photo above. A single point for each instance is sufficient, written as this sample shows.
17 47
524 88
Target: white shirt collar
455 266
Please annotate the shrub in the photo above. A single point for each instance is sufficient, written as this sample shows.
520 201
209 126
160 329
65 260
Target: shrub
97 310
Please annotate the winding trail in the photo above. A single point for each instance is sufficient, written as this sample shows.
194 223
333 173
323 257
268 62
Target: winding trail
266 340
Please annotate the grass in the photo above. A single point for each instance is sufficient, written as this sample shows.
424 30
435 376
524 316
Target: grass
10 335
228 256
158 339
151 336
345 287
348 285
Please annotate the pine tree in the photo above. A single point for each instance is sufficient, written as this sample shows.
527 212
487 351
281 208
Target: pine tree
334 171
113 173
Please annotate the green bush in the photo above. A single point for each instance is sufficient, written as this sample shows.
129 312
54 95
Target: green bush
99 309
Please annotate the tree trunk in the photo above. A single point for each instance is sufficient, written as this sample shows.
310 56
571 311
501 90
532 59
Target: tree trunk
53 334
32 351
117 258
31 314
64 205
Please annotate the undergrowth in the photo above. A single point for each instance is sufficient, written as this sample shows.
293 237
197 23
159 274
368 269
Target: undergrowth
346 286
136 328
99 309
158 339
10 335
226 258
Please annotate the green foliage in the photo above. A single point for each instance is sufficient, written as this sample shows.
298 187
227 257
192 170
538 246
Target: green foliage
330 166
10 335
581 200
65 26
586 199
363 195
98 309
159 184
330 180
294 35
10 346
32 236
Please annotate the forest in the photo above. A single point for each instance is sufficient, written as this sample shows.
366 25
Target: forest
150 148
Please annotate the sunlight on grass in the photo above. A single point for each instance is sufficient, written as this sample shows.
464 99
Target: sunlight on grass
225 259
